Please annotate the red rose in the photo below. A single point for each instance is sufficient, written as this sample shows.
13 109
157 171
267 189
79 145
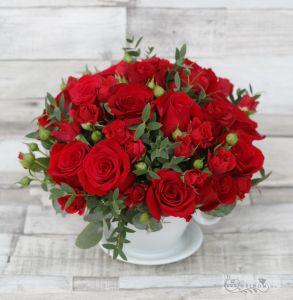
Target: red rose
206 80
249 159
135 195
195 178
186 147
128 102
176 110
221 111
77 206
243 184
218 189
66 161
161 67
140 72
169 196
104 91
121 68
203 135
118 131
221 161
105 168
85 90
248 104
135 150
88 113
66 132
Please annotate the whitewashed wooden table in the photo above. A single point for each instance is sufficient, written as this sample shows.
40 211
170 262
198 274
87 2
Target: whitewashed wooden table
247 41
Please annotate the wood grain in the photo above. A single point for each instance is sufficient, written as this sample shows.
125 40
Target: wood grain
67 33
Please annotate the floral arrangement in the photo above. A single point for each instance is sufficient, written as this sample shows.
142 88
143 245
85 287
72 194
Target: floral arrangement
142 140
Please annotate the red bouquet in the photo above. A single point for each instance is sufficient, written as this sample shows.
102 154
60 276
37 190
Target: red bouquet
142 140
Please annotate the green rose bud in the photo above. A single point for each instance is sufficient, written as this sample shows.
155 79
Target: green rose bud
158 91
198 164
144 218
151 84
176 133
232 139
26 159
33 146
25 181
141 166
96 136
44 133
127 57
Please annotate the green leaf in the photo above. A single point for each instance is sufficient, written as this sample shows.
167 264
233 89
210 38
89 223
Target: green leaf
116 194
91 202
176 160
90 236
109 246
69 201
140 172
146 112
136 222
154 125
94 217
177 81
138 42
183 51
154 175
139 131
122 255
154 225
56 193
57 113
32 135
67 188
51 99
222 210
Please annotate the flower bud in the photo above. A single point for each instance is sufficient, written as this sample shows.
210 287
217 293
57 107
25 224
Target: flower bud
198 164
176 133
25 181
96 136
87 126
26 159
232 139
141 166
158 91
33 146
144 218
151 84
127 57
44 133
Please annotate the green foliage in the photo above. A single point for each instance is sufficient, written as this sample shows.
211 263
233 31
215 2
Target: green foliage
90 236
222 210
263 177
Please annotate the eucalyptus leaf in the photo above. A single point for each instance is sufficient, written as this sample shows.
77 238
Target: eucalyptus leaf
139 131
146 112
90 236
222 210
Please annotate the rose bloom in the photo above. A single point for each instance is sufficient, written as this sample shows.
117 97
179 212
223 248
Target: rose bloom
88 113
186 147
118 131
203 135
128 101
85 90
77 206
170 196
221 161
248 104
105 168
65 132
66 161
195 178
135 195
135 150
176 110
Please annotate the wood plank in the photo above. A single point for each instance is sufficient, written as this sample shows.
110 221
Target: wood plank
256 219
3 263
93 284
213 32
11 219
5 244
62 3
35 78
44 220
20 196
34 284
250 4
67 33
268 195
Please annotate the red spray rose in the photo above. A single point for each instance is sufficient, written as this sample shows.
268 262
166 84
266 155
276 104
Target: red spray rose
203 135
118 131
248 104
176 110
135 195
128 101
221 161
186 147
88 113
66 161
85 90
77 206
195 178
135 150
66 132
169 196
105 168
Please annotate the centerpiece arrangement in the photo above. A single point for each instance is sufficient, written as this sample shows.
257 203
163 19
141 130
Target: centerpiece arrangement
143 144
